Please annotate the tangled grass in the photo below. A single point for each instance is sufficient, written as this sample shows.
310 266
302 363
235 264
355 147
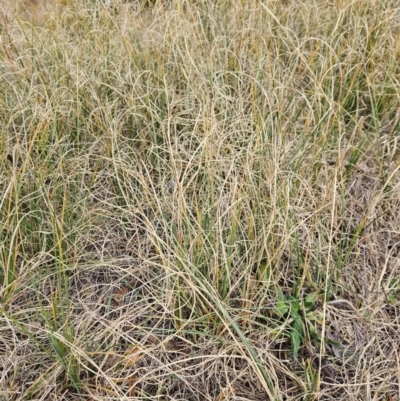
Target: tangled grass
200 201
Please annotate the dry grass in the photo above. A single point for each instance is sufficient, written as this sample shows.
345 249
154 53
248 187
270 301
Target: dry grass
200 201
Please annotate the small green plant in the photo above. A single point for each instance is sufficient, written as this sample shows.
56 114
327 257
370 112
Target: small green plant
299 317
394 291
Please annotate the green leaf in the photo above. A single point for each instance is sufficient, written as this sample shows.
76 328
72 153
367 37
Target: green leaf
294 306
394 284
296 336
282 307
310 300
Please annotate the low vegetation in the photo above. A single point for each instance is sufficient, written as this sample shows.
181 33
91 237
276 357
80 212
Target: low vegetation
200 200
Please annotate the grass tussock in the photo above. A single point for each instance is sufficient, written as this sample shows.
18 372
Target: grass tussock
200 201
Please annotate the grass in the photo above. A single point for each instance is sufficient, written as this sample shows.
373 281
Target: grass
200 201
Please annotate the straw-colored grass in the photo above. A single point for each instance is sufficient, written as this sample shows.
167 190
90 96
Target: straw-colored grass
200 200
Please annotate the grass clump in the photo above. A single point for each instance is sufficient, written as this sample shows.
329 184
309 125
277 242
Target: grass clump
200 201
